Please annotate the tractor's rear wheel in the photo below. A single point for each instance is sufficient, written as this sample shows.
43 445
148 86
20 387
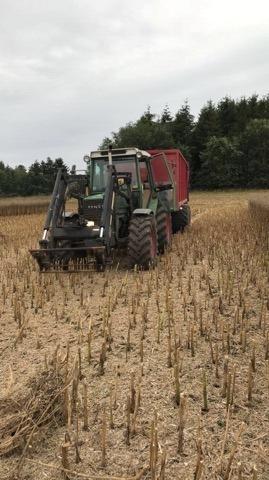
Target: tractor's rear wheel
142 241
181 218
164 229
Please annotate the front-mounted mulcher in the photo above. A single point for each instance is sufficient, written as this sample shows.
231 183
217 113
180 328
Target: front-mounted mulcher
127 198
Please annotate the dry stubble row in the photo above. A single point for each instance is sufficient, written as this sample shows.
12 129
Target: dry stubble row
170 367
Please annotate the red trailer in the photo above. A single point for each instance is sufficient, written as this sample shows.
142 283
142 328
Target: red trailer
173 161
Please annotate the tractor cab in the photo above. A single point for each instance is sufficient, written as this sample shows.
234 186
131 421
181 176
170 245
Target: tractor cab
124 160
149 174
131 180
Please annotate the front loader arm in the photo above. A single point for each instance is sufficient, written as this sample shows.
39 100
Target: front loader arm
108 205
56 205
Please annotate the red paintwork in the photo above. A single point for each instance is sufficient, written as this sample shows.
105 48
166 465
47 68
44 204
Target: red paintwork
180 170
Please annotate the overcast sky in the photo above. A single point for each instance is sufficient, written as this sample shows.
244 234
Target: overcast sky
73 71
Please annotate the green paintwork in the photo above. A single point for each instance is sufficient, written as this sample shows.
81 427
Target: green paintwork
153 203
95 196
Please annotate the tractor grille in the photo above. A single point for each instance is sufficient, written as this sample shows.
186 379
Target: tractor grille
92 210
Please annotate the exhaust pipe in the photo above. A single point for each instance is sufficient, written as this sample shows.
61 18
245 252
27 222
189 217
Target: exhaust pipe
110 155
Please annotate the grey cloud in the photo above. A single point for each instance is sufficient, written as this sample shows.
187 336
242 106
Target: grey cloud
72 72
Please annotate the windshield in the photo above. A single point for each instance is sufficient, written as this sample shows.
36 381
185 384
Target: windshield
122 165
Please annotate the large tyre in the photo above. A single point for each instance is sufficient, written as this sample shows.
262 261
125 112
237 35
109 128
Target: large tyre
181 218
164 229
142 241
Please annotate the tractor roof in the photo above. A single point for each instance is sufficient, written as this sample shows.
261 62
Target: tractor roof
119 152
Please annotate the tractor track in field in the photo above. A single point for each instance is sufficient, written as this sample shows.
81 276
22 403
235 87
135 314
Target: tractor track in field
217 208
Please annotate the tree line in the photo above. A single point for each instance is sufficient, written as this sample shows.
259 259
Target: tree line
37 180
227 146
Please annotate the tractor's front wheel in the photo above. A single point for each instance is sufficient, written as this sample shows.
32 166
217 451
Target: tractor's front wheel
142 241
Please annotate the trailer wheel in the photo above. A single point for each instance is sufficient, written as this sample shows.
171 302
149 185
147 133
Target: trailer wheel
142 241
164 229
181 218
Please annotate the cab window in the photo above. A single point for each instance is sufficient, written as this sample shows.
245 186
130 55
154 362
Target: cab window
99 171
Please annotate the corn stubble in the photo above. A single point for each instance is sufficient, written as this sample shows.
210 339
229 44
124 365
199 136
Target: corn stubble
162 374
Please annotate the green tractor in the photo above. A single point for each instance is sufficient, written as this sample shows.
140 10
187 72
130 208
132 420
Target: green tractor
126 199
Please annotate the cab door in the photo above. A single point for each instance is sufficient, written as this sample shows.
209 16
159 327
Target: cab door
163 180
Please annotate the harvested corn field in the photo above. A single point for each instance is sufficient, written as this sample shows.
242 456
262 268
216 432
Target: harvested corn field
23 205
126 374
260 207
